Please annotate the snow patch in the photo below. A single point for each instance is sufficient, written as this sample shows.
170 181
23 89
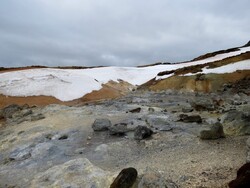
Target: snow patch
241 65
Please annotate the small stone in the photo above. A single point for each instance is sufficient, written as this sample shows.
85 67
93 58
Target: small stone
49 136
63 137
25 106
185 178
80 151
89 138
37 117
203 105
136 110
236 103
248 143
187 109
190 119
215 132
1 114
142 132
118 129
101 124
159 123
150 109
125 179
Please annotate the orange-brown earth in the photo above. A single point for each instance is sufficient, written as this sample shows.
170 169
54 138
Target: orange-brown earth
200 82
110 90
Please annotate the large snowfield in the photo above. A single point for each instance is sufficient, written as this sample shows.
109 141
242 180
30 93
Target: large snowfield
70 84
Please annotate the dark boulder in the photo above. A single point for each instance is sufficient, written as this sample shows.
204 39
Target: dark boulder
142 132
125 179
243 177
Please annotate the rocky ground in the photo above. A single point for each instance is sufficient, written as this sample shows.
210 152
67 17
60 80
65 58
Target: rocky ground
173 139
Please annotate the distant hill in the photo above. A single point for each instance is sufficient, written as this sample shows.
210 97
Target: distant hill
71 85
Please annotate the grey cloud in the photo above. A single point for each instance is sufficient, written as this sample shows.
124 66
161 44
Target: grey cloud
121 33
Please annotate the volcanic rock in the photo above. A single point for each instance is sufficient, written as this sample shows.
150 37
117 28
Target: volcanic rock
190 119
160 123
136 110
236 122
125 179
215 132
203 105
118 129
243 177
101 124
74 173
142 132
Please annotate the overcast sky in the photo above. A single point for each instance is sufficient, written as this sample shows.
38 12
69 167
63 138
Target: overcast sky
118 32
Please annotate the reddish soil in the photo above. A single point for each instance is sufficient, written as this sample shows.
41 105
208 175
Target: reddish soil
203 83
110 90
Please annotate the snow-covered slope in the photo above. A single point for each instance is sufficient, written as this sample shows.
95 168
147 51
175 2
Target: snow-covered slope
241 65
67 84
70 84
208 60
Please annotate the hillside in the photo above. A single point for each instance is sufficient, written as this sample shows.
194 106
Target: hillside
207 73
204 75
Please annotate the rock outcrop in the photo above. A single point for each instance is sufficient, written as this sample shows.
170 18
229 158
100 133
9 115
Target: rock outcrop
236 122
74 173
